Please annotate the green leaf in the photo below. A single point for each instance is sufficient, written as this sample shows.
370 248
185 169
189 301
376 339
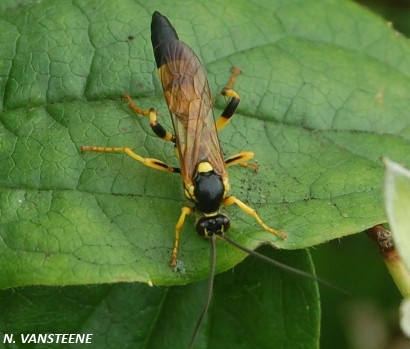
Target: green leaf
323 91
253 305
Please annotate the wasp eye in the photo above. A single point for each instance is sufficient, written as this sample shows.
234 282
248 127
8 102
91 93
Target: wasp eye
207 226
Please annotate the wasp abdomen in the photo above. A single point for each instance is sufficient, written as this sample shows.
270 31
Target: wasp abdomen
164 38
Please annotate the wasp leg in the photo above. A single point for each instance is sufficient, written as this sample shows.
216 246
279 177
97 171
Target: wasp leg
233 103
158 129
150 162
185 211
230 200
235 71
229 109
241 160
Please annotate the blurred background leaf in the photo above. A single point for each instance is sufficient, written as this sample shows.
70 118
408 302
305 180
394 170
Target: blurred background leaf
397 201
254 304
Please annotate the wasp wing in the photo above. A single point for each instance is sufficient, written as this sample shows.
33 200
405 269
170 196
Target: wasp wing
188 97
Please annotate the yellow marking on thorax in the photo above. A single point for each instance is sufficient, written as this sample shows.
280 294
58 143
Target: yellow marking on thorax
189 192
204 167
227 186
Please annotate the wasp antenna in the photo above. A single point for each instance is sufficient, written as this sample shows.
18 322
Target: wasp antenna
208 292
283 266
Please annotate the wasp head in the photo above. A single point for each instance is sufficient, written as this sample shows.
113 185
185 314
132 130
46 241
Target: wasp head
209 225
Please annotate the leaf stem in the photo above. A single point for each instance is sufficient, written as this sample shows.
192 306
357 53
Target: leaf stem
395 266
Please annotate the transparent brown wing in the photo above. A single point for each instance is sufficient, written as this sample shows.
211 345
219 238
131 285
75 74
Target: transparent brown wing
188 97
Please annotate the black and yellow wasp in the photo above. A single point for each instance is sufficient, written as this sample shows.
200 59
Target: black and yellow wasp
202 167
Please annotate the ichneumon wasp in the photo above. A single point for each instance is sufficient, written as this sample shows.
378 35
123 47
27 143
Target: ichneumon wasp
195 136
202 167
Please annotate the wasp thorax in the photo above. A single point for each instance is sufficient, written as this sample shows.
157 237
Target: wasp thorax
209 189
210 225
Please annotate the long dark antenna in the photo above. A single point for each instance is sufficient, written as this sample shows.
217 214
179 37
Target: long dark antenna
208 292
280 265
